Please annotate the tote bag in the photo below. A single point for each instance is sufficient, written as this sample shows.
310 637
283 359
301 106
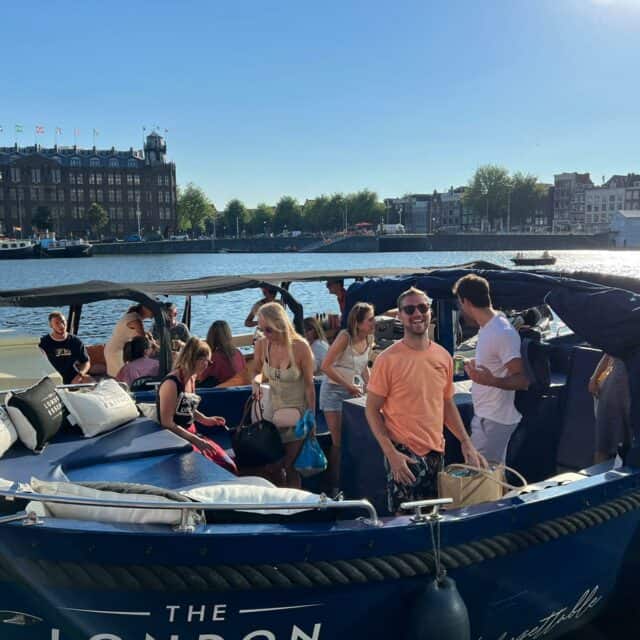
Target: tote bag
468 485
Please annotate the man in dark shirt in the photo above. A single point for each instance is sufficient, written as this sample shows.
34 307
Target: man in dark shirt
178 330
336 287
66 353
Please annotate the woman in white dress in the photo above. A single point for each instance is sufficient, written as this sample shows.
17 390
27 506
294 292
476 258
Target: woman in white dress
127 328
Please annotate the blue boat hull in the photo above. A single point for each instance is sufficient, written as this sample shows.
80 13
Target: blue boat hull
96 582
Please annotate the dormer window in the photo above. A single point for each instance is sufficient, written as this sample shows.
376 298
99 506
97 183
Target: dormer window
113 162
94 162
75 162
132 163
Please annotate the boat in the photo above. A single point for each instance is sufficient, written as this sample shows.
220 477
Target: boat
537 563
545 259
12 249
63 248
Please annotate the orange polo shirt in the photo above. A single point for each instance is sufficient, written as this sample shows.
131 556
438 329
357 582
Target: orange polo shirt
414 385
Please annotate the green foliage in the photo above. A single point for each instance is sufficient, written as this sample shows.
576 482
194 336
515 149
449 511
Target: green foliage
42 220
488 192
194 209
260 219
288 214
97 218
527 197
234 217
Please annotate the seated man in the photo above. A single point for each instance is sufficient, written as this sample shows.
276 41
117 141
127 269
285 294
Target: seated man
65 352
178 330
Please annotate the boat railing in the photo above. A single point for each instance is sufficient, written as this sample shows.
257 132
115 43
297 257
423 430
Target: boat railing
322 504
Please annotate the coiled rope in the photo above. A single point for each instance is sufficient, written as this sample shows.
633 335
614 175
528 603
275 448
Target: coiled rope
296 575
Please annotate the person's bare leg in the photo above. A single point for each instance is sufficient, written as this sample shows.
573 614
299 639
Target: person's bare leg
334 422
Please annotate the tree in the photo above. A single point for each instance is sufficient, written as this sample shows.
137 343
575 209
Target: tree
364 206
287 214
235 216
261 219
193 208
97 218
314 214
488 192
527 197
42 219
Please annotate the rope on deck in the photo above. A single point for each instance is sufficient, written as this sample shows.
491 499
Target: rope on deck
316 574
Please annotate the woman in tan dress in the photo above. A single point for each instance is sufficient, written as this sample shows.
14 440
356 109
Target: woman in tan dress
285 361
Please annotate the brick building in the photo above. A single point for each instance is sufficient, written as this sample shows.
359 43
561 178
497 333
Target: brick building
136 188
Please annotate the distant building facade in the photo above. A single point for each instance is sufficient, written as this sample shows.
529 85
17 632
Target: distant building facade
132 186
569 201
625 228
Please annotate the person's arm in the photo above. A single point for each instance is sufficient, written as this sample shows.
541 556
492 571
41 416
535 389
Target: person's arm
210 421
594 387
335 351
250 320
454 423
515 379
168 398
82 363
305 363
258 357
398 461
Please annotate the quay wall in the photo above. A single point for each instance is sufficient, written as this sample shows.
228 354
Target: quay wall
364 244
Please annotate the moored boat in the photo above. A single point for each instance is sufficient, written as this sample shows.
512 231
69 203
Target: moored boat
536 563
53 248
12 249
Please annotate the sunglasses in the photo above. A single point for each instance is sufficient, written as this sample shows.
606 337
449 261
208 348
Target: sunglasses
409 309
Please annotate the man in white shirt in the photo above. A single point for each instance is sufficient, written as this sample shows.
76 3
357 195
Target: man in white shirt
497 370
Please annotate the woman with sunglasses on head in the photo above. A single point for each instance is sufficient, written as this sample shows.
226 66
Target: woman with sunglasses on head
285 361
177 403
346 367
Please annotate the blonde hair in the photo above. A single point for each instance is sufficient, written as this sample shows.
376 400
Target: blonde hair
357 314
314 324
219 339
193 350
275 317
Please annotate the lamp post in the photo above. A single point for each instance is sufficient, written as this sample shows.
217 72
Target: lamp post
138 214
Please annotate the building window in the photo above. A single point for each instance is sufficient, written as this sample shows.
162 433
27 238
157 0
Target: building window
112 195
79 179
60 195
166 181
118 178
110 178
129 178
120 213
72 194
92 195
72 178
112 212
136 179
98 178
55 176
160 181
74 162
99 195
149 196
92 178
35 175
113 162
129 196
160 198
94 162
118 196
15 174
34 194
132 213
167 196
132 163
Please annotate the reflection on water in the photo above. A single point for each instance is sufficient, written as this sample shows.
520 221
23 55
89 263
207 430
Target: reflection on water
99 318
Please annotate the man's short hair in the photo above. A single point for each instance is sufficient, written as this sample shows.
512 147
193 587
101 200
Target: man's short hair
56 314
339 281
170 306
412 291
475 289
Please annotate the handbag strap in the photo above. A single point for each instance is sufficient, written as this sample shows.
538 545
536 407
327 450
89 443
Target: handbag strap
246 410
487 474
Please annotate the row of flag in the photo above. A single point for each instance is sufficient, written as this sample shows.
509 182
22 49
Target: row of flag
40 130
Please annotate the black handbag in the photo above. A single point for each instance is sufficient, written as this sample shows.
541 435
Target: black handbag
257 444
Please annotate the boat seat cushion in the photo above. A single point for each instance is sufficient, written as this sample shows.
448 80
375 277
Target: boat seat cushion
8 433
69 452
99 409
126 515
37 413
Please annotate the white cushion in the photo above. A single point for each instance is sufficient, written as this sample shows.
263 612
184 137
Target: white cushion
149 410
99 409
106 514
8 433
239 493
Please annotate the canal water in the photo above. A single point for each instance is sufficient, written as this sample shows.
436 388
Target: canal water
98 319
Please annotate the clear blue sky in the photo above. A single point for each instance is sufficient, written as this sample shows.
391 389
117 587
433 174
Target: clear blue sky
271 98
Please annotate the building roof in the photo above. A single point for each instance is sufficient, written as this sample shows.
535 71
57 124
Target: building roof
92 157
631 213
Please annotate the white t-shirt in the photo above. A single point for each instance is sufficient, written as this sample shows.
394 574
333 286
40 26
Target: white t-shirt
498 344
319 349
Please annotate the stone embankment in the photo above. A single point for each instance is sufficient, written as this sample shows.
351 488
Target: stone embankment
364 244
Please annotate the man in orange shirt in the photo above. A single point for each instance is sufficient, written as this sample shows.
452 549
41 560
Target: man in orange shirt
409 400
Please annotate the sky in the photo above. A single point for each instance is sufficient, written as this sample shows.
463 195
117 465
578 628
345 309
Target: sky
262 99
